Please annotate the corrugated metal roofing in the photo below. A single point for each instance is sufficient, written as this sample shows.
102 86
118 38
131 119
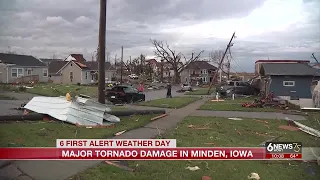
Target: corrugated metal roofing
292 69
80 111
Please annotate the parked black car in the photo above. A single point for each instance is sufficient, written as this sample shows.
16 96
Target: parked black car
237 87
124 94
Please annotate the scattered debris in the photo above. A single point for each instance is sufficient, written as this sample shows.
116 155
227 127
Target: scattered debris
310 109
195 168
236 119
42 129
89 127
289 128
238 131
217 100
199 128
119 133
262 121
120 164
79 111
68 97
206 178
158 117
305 128
254 176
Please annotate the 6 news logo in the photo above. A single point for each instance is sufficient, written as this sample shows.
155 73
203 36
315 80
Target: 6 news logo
283 147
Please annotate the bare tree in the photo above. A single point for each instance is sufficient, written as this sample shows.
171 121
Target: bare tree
174 58
215 56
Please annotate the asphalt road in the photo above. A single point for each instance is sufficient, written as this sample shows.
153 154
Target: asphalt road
7 106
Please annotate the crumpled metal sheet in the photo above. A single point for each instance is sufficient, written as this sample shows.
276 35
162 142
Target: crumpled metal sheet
80 111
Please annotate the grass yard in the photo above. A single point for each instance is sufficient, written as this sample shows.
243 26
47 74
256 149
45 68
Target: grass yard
61 90
223 132
44 134
235 105
175 102
201 91
49 89
5 97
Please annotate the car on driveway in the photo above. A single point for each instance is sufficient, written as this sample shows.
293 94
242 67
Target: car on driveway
124 94
237 87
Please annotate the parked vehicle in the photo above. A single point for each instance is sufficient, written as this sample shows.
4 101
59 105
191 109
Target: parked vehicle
124 94
186 87
133 76
237 87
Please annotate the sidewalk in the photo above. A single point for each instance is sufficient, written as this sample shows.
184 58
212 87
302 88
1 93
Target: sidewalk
60 170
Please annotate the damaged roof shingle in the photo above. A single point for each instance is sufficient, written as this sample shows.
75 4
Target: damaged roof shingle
285 69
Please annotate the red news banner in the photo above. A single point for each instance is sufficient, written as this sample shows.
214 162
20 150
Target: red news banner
164 149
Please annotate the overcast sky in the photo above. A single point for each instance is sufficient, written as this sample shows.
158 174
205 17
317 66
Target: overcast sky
274 29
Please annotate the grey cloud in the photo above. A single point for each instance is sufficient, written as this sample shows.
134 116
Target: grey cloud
46 27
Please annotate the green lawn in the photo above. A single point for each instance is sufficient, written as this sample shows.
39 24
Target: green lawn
44 134
50 89
235 105
201 91
61 90
223 133
175 102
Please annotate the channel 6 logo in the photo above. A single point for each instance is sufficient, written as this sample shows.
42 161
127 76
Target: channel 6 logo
283 147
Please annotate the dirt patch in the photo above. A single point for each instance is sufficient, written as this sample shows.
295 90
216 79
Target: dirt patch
289 128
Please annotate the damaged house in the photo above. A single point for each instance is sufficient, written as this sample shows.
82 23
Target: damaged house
76 70
288 80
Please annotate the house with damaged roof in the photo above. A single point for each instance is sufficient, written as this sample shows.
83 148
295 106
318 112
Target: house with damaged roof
17 68
75 69
288 80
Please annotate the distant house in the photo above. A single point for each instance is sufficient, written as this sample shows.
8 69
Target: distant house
288 80
76 70
198 71
15 68
243 76
153 63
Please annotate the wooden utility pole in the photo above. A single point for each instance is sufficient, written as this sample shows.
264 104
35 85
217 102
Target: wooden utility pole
221 62
121 65
141 64
102 53
314 57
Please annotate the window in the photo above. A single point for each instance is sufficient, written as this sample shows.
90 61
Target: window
71 75
45 73
204 71
231 83
288 83
29 71
16 72
201 71
130 90
205 79
86 75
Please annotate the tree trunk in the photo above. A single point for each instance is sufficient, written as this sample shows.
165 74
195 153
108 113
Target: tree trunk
176 76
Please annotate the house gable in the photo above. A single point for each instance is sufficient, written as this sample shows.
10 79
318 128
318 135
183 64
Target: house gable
70 62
